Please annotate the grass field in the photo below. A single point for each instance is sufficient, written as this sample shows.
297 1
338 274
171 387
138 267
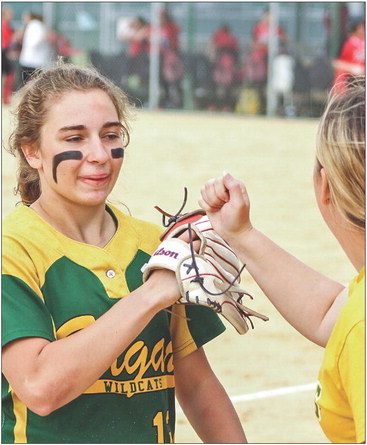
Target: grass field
171 150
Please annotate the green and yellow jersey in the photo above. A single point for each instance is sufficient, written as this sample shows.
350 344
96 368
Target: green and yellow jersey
340 395
53 286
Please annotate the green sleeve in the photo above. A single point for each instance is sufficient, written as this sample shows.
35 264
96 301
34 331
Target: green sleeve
204 324
23 312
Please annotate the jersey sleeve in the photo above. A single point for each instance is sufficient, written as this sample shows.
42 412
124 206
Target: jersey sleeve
192 327
24 313
352 371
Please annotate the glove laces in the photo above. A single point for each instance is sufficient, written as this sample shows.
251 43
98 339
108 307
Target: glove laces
172 218
200 280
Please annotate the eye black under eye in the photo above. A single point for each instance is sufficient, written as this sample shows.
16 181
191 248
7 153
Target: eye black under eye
117 153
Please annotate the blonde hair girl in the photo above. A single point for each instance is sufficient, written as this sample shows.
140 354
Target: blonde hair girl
323 310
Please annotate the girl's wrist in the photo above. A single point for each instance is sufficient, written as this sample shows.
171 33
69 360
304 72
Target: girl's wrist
157 292
238 240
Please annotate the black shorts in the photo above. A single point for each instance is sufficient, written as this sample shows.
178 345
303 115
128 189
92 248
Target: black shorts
6 64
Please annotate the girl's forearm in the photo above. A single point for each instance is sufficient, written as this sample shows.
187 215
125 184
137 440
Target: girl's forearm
205 402
301 294
57 372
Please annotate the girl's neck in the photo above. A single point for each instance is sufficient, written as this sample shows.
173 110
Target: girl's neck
353 243
90 225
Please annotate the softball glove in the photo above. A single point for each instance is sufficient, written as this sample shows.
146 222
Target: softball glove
209 277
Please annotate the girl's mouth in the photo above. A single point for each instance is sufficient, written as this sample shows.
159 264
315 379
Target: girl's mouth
95 180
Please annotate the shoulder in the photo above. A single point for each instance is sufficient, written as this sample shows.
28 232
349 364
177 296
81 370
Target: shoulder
358 283
356 41
21 220
18 221
352 316
14 229
25 233
354 308
32 25
348 44
36 27
29 247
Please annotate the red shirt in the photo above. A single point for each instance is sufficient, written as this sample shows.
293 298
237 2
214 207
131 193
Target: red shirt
170 35
138 47
353 51
6 34
261 32
224 39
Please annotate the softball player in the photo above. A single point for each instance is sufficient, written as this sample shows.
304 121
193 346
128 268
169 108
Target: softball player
89 354
321 309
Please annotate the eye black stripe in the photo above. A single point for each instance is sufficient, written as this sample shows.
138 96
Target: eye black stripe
64 156
117 153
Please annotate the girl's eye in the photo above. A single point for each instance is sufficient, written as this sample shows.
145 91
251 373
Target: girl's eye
74 139
111 136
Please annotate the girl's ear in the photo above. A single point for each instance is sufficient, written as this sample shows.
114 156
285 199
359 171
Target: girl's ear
32 155
325 189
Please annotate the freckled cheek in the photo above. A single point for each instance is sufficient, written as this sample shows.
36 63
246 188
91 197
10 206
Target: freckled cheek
66 171
117 164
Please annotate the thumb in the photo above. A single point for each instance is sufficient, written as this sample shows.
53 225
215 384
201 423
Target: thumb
236 189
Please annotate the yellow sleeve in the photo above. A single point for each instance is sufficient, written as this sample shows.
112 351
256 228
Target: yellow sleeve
352 372
192 326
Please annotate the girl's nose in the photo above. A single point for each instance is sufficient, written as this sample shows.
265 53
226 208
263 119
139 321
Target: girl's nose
97 152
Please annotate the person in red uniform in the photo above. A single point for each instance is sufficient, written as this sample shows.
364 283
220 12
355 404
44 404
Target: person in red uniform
223 39
172 69
137 33
352 57
7 33
169 31
259 54
139 41
225 47
261 30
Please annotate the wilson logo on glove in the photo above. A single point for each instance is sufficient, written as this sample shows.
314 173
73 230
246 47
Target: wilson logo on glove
166 253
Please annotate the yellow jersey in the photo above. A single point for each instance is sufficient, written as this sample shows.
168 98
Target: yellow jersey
340 394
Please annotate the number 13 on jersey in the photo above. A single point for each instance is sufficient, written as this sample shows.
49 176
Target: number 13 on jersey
159 422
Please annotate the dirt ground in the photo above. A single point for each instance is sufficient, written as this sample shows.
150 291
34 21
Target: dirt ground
170 150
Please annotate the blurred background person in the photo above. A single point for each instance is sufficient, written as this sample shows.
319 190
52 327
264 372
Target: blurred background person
61 46
136 33
36 49
261 32
64 48
16 48
282 82
224 40
172 70
7 68
224 51
138 37
352 57
331 21
259 54
169 31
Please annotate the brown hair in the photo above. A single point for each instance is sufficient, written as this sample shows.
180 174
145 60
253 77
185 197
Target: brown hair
340 149
35 99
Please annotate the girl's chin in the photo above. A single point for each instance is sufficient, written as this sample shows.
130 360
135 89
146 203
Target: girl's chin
93 199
